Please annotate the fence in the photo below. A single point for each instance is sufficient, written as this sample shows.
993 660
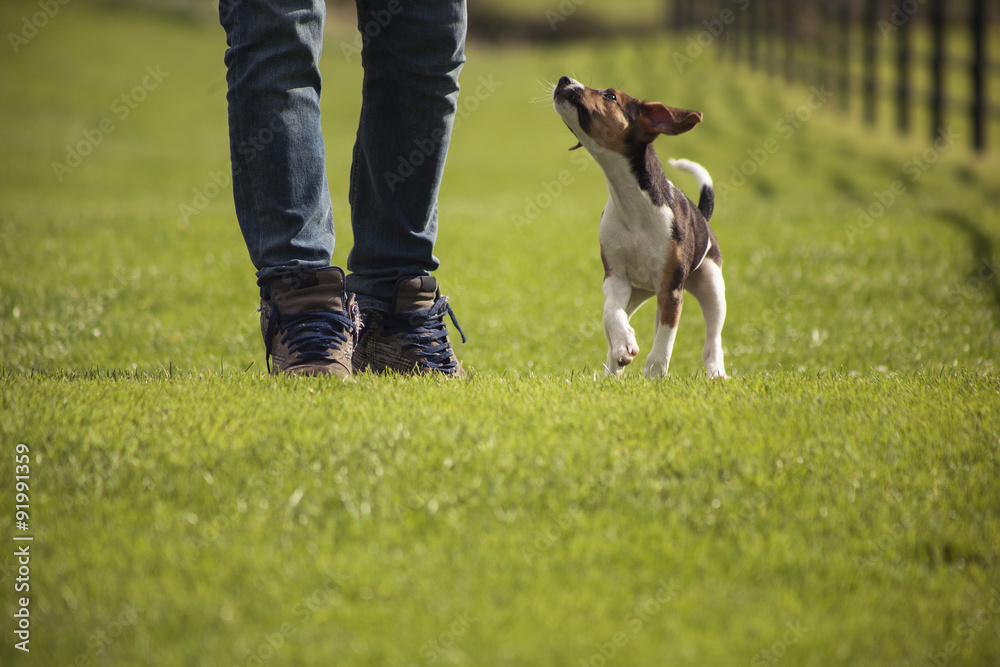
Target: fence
907 52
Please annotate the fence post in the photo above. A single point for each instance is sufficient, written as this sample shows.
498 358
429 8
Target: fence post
844 53
723 38
823 42
788 23
978 25
903 90
682 14
768 33
937 66
736 31
869 61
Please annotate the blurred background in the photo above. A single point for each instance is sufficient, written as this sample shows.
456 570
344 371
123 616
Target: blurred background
911 63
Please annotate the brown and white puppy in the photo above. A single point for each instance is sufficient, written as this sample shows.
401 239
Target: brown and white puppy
654 240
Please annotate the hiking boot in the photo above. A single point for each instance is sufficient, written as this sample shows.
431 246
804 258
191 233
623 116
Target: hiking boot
413 338
310 324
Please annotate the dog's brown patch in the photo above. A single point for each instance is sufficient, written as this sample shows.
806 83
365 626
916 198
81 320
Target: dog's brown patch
658 118
608 126
670 297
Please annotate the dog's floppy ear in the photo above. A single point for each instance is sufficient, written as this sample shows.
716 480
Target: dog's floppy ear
661 119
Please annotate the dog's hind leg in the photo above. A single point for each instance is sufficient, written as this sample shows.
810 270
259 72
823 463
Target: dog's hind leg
669 300
707 285
668 315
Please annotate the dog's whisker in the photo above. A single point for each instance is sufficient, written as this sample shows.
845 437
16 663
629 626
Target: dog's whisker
546 89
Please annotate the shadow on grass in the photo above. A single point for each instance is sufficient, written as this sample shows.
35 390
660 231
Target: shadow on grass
982 250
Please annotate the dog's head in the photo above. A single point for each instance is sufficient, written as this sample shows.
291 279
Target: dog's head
609 119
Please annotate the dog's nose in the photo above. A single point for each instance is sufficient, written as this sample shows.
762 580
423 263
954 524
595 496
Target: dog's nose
564 81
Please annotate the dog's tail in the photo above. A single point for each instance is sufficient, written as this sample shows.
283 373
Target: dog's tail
706 199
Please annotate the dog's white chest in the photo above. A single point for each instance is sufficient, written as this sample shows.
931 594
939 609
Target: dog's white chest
636 250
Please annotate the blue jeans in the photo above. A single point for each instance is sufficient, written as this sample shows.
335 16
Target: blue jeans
413 51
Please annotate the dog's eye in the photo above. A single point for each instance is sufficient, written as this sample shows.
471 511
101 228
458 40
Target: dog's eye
610 96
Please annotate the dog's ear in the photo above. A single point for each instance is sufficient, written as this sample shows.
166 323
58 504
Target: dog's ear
660 119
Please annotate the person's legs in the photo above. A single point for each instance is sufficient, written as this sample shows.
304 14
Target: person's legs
276 143
308 321
412 55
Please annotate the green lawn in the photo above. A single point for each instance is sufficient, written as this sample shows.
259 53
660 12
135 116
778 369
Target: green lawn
835 502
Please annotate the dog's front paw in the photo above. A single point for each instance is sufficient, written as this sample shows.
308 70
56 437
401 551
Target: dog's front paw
626 351
625 354
655 368
620 356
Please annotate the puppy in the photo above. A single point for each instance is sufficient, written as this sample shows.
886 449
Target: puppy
654 240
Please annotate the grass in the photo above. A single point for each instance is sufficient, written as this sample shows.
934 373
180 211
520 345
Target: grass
835 502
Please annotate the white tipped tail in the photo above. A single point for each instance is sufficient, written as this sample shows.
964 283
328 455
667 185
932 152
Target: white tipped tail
706 199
